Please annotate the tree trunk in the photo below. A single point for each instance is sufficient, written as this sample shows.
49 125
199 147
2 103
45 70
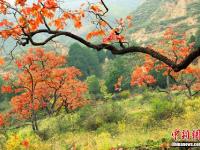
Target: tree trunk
34 121
48 111
36 124
33 125
189 90
168 88
54 100
66 108
59 108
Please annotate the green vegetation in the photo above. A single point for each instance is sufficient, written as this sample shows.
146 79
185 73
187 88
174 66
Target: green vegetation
171 21
119 67
94 87
153 17
197 38
193 8
86 60
128 123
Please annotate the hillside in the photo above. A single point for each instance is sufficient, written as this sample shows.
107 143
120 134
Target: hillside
154 16
138 123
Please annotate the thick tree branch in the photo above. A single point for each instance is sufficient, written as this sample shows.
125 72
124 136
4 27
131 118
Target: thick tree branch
27 37
176 67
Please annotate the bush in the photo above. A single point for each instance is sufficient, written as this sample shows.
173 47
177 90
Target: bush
94 87
124 94
146 96
66 123
113 113
92 118
87 119
104 91
45 134
164 109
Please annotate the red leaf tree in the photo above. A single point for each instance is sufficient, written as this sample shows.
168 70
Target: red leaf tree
43 83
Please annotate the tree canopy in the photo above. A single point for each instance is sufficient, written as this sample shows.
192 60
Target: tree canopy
42 83
84 59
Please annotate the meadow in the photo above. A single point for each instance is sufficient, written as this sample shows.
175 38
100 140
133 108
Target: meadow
136 121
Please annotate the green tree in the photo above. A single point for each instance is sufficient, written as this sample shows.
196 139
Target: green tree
161 80
84 59
93 87
192 39
109 55
116 68
101 56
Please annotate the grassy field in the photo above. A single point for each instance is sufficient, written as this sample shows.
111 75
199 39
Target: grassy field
137 122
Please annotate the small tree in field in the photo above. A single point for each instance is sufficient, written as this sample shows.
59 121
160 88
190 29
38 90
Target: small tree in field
94 87
41 83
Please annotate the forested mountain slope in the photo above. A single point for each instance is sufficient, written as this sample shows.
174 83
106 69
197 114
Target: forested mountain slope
154 16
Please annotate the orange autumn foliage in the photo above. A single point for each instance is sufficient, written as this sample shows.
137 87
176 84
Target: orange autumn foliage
43 82
30 17
95 33
95 8
2 122
141 77
52 15
6 89
1 61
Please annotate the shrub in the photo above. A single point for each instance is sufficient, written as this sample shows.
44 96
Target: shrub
92 118
161 109
2 141
62 124
13 143
164 109
113 112
45 134
104 90
146 96
66 123
48 128
124 94
94 87
87 119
